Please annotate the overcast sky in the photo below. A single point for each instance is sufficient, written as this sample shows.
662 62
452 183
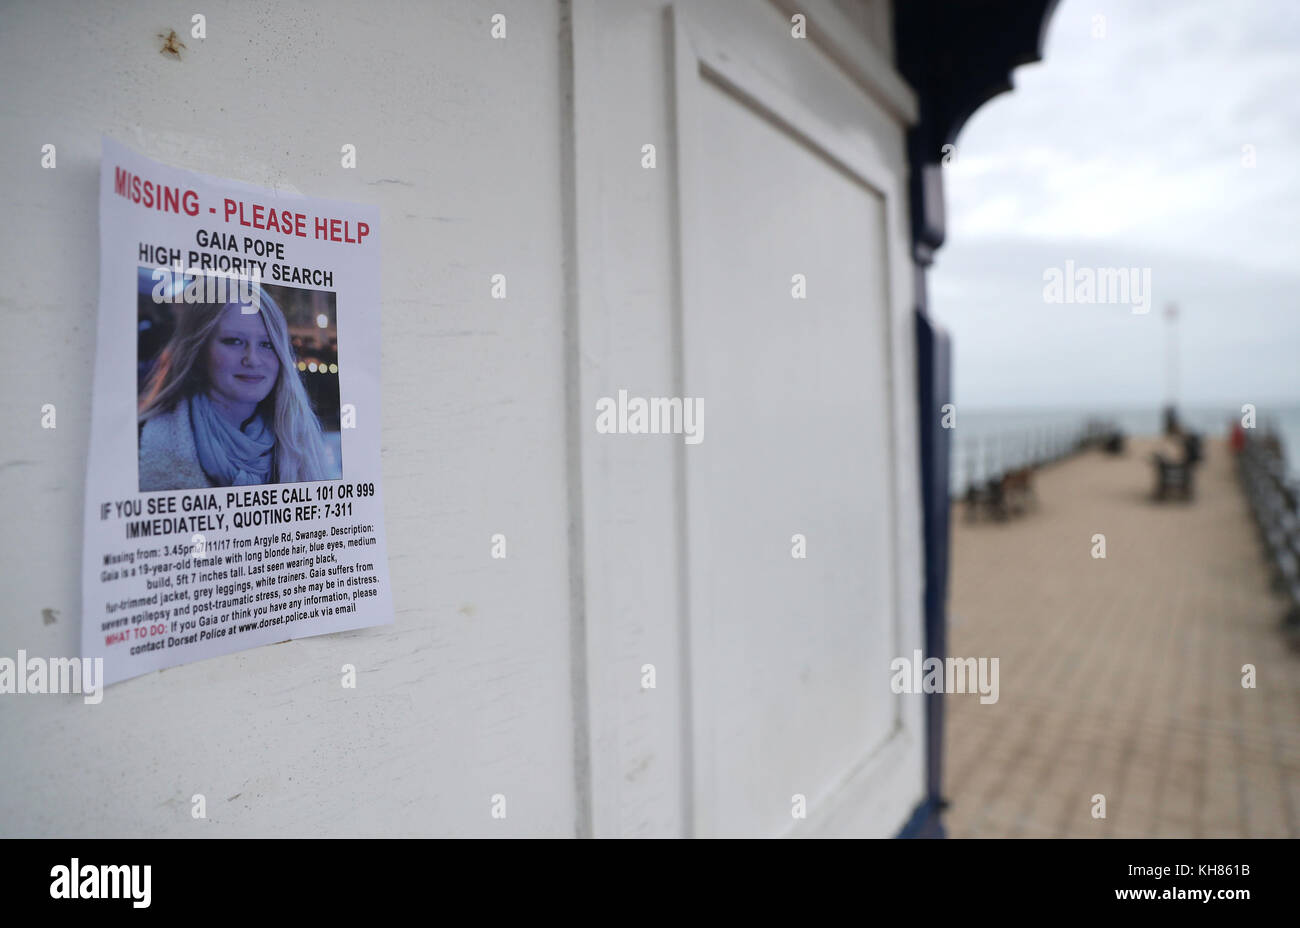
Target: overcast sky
1127 151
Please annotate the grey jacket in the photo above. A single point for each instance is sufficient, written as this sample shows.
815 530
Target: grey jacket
169 459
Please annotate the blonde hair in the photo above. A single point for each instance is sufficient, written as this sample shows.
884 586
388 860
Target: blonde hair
181 371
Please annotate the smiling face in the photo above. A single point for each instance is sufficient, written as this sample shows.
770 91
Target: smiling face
242 364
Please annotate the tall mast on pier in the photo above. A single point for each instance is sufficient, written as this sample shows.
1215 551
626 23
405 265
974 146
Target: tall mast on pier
1171 364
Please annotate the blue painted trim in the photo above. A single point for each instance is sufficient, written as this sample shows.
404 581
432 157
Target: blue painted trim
925 821
934 389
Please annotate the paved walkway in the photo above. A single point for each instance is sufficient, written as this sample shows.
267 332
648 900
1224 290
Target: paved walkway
1122 676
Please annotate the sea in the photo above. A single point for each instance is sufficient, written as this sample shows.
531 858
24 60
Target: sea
990 440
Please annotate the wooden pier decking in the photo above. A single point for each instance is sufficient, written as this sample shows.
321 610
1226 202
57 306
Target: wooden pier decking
1122 676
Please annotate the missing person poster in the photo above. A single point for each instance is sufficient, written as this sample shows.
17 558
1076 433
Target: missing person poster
233 492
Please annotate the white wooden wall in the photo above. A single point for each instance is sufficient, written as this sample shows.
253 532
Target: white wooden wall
518 676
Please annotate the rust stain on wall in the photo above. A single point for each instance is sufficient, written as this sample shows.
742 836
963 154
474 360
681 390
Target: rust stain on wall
172 44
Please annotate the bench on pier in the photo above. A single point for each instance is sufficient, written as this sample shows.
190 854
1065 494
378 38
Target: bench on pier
1011 494
1176 478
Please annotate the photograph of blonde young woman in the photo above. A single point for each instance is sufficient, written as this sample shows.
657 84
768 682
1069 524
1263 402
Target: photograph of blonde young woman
229 397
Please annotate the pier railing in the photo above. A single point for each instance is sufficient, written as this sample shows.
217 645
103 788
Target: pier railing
985 459
1273 498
